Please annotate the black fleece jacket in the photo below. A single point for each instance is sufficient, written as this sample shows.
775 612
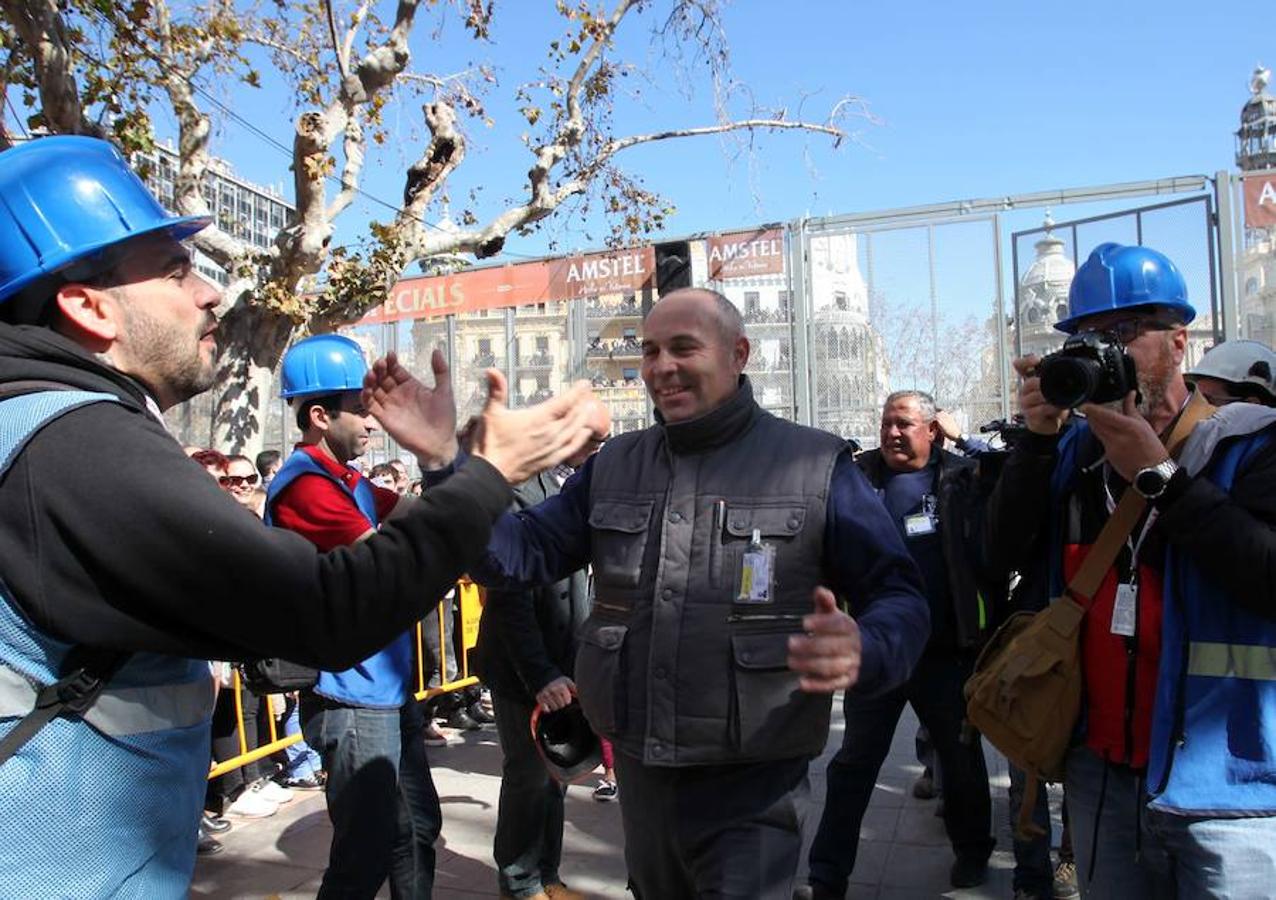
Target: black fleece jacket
111 537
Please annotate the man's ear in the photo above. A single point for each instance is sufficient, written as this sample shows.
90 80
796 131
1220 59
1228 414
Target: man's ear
741 355
1178 343
90 316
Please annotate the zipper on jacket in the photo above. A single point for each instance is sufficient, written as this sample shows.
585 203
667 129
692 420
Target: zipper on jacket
765 617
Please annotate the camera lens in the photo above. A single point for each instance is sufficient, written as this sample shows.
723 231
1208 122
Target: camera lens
1067 381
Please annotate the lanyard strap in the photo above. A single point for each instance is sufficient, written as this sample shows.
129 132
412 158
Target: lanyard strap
1085 583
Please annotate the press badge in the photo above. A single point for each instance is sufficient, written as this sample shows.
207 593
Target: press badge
1124 611
756 572
923 522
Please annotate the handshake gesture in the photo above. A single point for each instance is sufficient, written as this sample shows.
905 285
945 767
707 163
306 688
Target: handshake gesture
518 442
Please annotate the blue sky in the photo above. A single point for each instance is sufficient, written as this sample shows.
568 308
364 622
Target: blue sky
974 100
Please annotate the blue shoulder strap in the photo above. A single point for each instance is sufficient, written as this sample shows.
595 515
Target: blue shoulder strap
22 416
87 669
300 463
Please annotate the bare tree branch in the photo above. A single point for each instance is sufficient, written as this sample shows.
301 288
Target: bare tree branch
41 27
336 43
286 49
194 129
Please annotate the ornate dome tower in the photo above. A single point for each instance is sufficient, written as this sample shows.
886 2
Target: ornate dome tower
1256 139
1043 294
1256 150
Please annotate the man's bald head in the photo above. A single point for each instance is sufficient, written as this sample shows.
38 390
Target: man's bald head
730 321
693 352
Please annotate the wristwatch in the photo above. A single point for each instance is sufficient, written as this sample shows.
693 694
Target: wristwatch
1152 481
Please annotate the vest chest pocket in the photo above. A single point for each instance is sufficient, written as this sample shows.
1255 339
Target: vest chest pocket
619 536
600 676
775 524
771 718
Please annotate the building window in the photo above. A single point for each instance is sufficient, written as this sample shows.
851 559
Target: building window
485 346
840 301
629 373
752 301
542 343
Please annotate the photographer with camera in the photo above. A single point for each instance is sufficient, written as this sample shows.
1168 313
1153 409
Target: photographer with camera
1171 779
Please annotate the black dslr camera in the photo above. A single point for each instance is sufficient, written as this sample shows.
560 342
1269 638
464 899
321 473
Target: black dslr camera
1090 368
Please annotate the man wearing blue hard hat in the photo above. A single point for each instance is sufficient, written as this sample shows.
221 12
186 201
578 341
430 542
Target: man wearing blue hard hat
123 566
1171 778
363 720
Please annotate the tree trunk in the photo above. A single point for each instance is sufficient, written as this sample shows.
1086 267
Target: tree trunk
252 341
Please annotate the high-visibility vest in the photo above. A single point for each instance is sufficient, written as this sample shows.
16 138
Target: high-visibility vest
106 803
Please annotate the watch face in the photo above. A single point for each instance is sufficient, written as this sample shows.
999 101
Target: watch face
1149 482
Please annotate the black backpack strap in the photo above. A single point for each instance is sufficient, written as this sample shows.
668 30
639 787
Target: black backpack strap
87 672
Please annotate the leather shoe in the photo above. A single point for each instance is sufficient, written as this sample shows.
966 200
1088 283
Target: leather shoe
460 720
924 786
815 891
208 845
213 824
969 871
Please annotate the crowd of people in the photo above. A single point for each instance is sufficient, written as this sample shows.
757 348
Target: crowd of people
679 603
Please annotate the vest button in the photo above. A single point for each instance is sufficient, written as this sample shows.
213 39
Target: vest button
660 673
746 656
657 749
737 524
667 594
793 523
675 517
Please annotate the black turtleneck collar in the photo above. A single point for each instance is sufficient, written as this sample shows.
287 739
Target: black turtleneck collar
716 428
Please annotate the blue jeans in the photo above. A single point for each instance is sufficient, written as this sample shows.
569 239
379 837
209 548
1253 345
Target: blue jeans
528 845
1218 857
303 761
381 800
935 693
1125 861
1034 873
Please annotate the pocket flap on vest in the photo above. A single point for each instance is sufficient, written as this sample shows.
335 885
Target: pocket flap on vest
761 651
775 521
629 516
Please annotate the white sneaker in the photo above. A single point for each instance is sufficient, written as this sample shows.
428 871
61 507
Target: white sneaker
275 793
252 805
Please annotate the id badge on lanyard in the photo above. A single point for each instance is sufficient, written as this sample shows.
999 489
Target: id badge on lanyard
924 522
1125 608
756 581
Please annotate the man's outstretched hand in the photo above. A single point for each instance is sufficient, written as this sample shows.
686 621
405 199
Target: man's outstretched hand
422 420
828 655
522 442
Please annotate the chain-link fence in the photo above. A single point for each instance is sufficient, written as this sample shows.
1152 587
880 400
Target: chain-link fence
904 307
1045 259
839 312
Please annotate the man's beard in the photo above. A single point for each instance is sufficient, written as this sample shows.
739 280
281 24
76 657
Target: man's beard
169 353
1154 380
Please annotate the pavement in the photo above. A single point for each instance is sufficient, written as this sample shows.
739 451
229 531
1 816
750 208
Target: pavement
903 854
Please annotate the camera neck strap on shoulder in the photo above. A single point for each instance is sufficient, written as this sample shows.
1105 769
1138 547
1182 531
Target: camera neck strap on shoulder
1129 509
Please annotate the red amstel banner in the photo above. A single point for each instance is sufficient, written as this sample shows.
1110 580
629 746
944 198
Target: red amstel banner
618 272
1260 201
621 271
744 254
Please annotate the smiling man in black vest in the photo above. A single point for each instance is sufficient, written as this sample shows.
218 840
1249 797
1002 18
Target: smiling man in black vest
721 539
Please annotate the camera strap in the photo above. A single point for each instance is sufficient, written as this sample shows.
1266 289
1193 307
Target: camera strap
1129 509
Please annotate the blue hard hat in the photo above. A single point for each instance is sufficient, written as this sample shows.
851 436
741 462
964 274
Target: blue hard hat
323 364
1121 277
64 200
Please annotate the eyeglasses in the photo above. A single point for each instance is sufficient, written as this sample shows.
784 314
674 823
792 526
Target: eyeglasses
1128 330
234 481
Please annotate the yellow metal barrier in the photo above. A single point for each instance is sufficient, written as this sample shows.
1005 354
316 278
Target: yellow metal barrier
470 609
